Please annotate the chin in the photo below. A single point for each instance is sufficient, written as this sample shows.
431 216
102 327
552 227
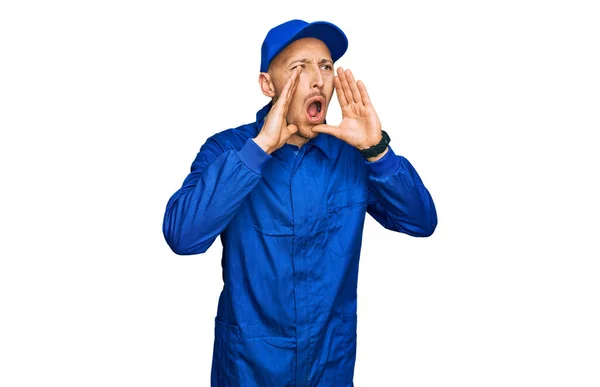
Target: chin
306 132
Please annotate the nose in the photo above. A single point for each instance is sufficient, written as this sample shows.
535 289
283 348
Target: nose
317 77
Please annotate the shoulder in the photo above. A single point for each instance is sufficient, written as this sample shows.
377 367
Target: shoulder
232 138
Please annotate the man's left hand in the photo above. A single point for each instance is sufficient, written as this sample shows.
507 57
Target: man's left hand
360 126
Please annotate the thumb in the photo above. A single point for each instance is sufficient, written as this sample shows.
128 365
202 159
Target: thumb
291 129
328 129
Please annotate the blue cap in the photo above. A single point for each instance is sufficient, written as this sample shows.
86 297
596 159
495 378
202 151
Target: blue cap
281 36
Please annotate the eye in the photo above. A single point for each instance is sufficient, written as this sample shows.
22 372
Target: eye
326 67
301 65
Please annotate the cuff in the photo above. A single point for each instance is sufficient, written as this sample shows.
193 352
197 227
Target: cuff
385 166
253 156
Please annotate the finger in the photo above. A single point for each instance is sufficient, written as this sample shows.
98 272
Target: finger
328 129
339 92
284 97
291 129
296 81
363 93
353 87
345 85
292 90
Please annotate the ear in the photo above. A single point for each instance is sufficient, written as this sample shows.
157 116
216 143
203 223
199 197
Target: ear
266 84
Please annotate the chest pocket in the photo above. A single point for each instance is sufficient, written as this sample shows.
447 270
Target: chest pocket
347 199
346 211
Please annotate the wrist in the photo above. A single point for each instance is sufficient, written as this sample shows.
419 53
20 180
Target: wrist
265 146
376 151
379 156
371 144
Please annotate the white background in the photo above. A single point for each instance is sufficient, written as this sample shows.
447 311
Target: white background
104 105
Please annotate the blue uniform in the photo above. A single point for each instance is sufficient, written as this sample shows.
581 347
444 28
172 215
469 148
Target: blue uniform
291 226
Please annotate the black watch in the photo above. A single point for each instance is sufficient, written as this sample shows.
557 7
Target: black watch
376 149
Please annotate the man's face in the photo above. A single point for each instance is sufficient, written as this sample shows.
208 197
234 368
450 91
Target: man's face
315 86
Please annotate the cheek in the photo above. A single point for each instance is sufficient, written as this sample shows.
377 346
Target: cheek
297 102
328 86
295 109
296 106
329 94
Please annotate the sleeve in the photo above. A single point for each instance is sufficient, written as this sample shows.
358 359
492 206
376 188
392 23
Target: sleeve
397 198
211 194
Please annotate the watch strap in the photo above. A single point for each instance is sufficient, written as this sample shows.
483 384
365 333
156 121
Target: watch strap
378 148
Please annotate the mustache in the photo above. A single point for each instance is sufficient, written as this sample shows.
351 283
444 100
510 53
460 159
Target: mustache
316 93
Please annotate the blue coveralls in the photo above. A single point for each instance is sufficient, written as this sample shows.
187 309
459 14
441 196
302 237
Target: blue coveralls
291 227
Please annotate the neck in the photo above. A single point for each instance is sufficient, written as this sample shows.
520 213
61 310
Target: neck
297 140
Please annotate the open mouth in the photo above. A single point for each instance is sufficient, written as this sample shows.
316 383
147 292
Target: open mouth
314 111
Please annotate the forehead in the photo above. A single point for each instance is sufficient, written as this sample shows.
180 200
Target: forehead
305 47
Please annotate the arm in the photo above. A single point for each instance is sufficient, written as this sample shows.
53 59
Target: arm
397 198
220 180
211 194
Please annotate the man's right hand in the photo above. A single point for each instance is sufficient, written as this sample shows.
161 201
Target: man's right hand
276 131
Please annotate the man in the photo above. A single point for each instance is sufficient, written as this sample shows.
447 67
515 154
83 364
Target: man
288 196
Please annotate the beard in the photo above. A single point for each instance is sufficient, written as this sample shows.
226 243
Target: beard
305 131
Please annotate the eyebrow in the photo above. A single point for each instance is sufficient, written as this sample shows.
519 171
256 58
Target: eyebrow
306 60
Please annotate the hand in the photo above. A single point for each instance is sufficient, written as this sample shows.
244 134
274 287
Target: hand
276 131
360 126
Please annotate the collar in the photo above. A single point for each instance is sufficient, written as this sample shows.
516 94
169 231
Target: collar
321 142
